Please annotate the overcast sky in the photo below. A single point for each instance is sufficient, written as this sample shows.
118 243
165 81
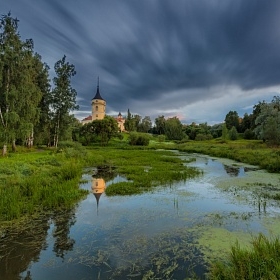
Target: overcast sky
195 59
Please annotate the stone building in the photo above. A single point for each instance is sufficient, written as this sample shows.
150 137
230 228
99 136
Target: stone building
98 110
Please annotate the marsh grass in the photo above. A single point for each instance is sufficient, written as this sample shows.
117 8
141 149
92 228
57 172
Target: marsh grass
36 181
262 261
247 151
143 169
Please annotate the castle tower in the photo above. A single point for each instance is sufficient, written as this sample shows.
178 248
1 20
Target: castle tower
98 105
98 187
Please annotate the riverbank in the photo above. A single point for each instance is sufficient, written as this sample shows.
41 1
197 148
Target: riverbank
47 179
252 152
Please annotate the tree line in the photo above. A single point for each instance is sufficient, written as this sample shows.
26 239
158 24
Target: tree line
263 124
29 105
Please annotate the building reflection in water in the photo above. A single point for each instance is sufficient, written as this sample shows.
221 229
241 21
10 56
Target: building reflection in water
98 187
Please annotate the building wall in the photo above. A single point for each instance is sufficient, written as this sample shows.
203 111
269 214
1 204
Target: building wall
98 109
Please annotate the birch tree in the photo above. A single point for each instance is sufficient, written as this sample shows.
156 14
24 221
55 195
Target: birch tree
63 97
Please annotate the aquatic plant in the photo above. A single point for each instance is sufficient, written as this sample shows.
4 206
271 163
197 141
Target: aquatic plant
262 261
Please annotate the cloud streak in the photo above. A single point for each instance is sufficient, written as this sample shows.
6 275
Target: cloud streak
161 57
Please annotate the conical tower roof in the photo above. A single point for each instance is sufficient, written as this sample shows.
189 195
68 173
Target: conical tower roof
97 95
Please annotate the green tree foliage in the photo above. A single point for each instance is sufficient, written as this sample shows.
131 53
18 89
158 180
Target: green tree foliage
268 122
232 119
216 130
20 92
233 135
145 125
129 124
139 139
198 132
160 125
174 129
42 129
103 129
224 133
63 97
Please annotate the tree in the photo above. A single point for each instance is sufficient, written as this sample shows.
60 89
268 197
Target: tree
105 129
232 119
136 120
224 133
216 130
233 133
145 125
129 124
268 122
63 97
19 91
174 129
160 125
42 129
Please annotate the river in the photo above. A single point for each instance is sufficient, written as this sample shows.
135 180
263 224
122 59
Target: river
169 233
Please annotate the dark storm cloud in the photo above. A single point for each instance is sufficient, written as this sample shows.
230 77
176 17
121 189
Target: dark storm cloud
158 53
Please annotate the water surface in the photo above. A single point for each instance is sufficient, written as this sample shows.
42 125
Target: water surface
168 233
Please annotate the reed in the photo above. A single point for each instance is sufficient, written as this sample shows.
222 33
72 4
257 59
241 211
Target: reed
262 261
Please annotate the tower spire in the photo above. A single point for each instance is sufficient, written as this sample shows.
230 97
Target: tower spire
97 95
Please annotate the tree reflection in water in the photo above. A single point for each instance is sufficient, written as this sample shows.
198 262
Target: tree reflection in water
63 222
22 244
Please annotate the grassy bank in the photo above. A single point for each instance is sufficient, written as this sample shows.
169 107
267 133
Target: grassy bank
248 151
42 180
38 181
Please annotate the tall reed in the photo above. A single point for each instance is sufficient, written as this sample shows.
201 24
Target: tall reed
262 261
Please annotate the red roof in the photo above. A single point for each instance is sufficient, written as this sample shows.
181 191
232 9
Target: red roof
89 118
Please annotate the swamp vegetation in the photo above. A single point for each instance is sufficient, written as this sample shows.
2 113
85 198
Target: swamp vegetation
40 186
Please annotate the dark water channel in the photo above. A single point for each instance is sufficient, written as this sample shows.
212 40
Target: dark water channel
168 233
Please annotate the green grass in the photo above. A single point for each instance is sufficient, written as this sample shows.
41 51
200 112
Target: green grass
262 261
143 168
35 180
247 151
38 181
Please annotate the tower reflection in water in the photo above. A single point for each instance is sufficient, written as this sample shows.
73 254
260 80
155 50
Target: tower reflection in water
98 187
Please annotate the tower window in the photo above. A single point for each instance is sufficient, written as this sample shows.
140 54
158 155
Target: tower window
96 108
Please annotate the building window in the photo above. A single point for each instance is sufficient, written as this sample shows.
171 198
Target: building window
97 116
96 108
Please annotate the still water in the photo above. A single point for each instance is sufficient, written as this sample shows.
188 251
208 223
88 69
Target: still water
168 233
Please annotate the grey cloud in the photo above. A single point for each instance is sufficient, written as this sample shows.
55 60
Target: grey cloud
162 52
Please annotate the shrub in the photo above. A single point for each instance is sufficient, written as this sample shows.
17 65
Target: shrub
249 134
203 137
139 139
72 149
233 133
161 138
